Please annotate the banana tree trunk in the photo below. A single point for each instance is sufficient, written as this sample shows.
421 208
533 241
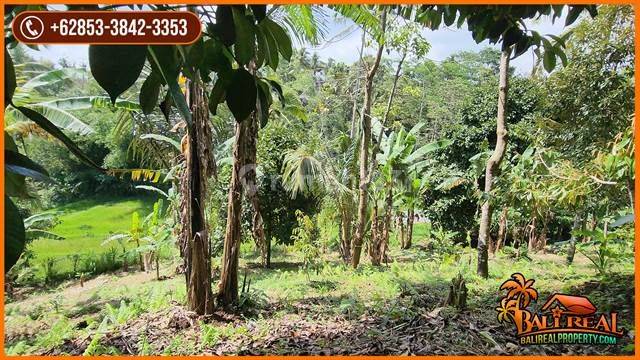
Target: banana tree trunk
400 234
157 266
410 219
364 152
228 285
387 222
493 164
199 166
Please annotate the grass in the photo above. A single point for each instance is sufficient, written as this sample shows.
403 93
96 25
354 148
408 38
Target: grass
335 290
48 321
85 225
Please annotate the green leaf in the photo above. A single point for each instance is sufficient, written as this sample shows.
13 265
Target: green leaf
32 234
449 16
574 13
241 94
166 61
22 165
149 93
163 138
259 11
272 48
263 47
627 219
265 101
47 126
14 184
214 57
170 77
218 93
14 234
430 147
278 89
9 78
116 67
245 36
152 188
281 38
549 60
563 57
195 54
224 26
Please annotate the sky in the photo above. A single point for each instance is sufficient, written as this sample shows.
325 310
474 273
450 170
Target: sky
444 42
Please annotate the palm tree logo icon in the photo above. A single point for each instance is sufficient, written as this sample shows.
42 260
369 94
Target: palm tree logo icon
520 293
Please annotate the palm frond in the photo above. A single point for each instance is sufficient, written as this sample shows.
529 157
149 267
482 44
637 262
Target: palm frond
302 172
363 15
307 24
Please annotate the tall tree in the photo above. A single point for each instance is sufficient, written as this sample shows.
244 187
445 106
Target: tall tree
365 141
493 164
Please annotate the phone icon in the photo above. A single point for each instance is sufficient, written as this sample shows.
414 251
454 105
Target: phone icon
29 25
32 27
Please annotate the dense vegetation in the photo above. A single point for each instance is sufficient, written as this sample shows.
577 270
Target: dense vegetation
315 191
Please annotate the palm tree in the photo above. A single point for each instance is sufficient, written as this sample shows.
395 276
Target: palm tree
320 171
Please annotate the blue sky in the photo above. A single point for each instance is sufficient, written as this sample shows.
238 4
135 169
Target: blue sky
444 42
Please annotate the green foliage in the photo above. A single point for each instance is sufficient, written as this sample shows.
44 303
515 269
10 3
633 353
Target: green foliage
241 94
305 241
453 202
599 76
606 246
278 207
116 67
14 234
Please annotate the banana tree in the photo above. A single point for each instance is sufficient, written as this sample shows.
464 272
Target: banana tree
400 162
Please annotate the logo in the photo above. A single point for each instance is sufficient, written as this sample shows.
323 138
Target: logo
563 319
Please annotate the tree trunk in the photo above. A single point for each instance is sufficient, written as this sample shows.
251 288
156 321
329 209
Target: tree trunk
228 285
387 222
410 219
542 239
345 234
268 239
364 152
491 248
571 252
251 189
140 255
400 235
374 244
356 92
157 267
493 164
502 231
532 236
199 166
